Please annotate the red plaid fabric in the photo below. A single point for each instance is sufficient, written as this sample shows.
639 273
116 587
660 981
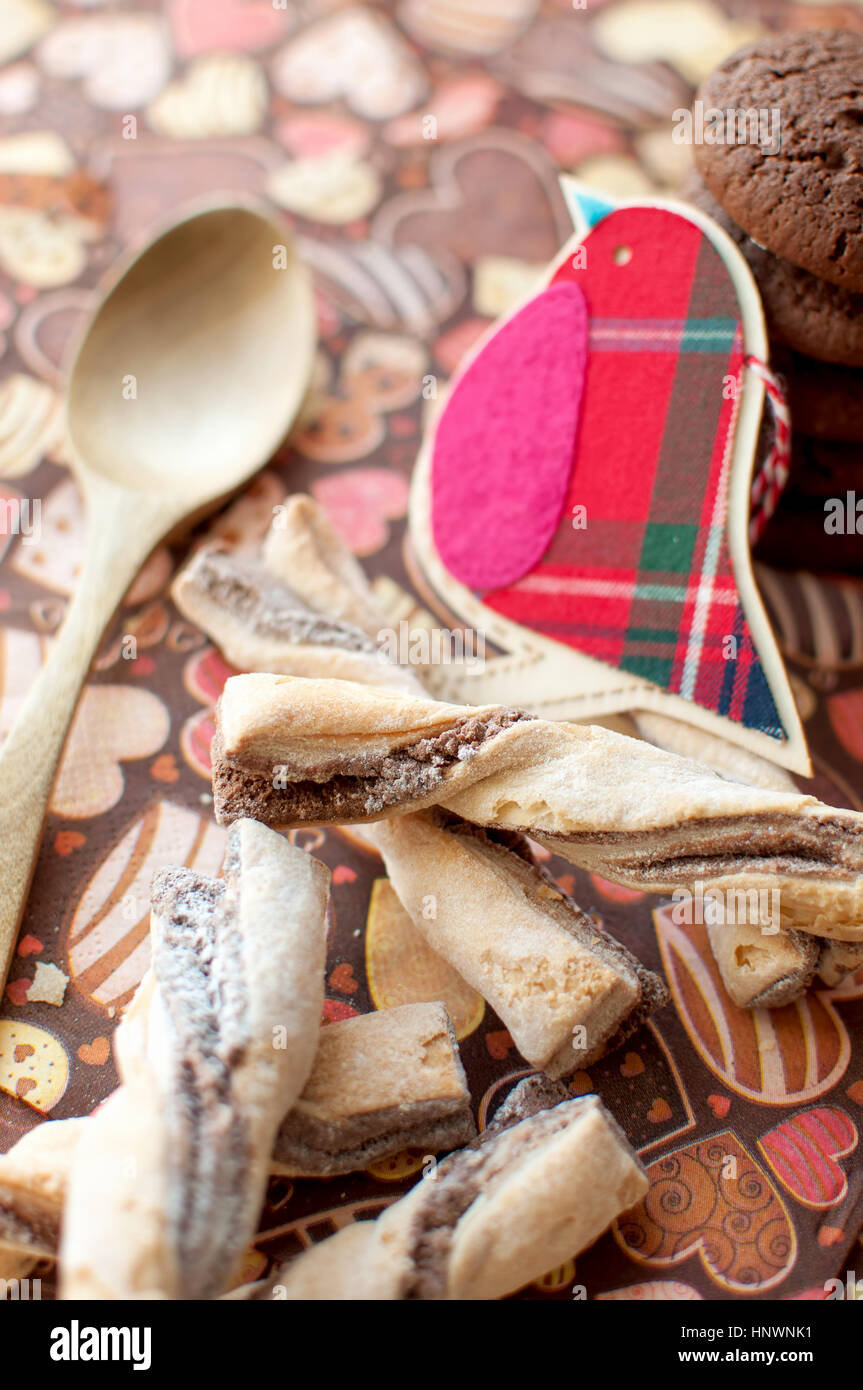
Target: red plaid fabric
638 573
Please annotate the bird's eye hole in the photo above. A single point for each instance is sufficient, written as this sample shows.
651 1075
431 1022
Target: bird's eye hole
622 255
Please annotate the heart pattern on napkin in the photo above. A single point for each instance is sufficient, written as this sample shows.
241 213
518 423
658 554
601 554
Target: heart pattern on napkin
357 55
221 26
113 724
468 209
775 1056
712 1201
803 1151
124 60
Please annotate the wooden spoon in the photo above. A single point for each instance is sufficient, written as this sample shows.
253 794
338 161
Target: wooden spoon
187 380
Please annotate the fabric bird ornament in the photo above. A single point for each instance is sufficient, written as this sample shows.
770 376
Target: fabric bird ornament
586 497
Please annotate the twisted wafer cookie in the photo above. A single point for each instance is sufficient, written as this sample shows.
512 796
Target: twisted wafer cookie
291 751
769 971
33 1178
304 607
758 969
380 1083
301 607
259 610
566 991
544 1180
838 959
168 1177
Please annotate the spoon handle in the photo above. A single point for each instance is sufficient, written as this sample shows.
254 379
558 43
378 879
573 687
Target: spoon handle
117 547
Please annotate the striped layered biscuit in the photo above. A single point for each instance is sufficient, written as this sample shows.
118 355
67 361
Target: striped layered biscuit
566 991
380 1083
543 1181
291 751
302 606
168 1177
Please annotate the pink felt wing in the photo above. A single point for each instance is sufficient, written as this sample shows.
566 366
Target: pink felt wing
505 445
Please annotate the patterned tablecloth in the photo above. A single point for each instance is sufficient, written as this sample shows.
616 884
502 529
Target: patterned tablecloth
414 149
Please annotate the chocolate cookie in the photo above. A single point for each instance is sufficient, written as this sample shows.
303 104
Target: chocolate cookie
812 316
826 401
821 468
822 474
802 197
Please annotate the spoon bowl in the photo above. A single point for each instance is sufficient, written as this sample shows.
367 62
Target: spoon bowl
195 362
188 378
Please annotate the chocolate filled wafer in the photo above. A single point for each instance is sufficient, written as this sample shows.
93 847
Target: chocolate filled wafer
303 550
838 959
301 607
168 1178
760 969
540 1184
762 966
381 1083
33 1178
566 991
293 751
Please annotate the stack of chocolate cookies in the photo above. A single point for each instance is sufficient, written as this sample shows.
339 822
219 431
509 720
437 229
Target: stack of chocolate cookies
793 203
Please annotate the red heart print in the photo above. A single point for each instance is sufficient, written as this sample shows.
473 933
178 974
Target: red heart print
803 1152
66 841
343 978
232 26
17 990
498 1044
